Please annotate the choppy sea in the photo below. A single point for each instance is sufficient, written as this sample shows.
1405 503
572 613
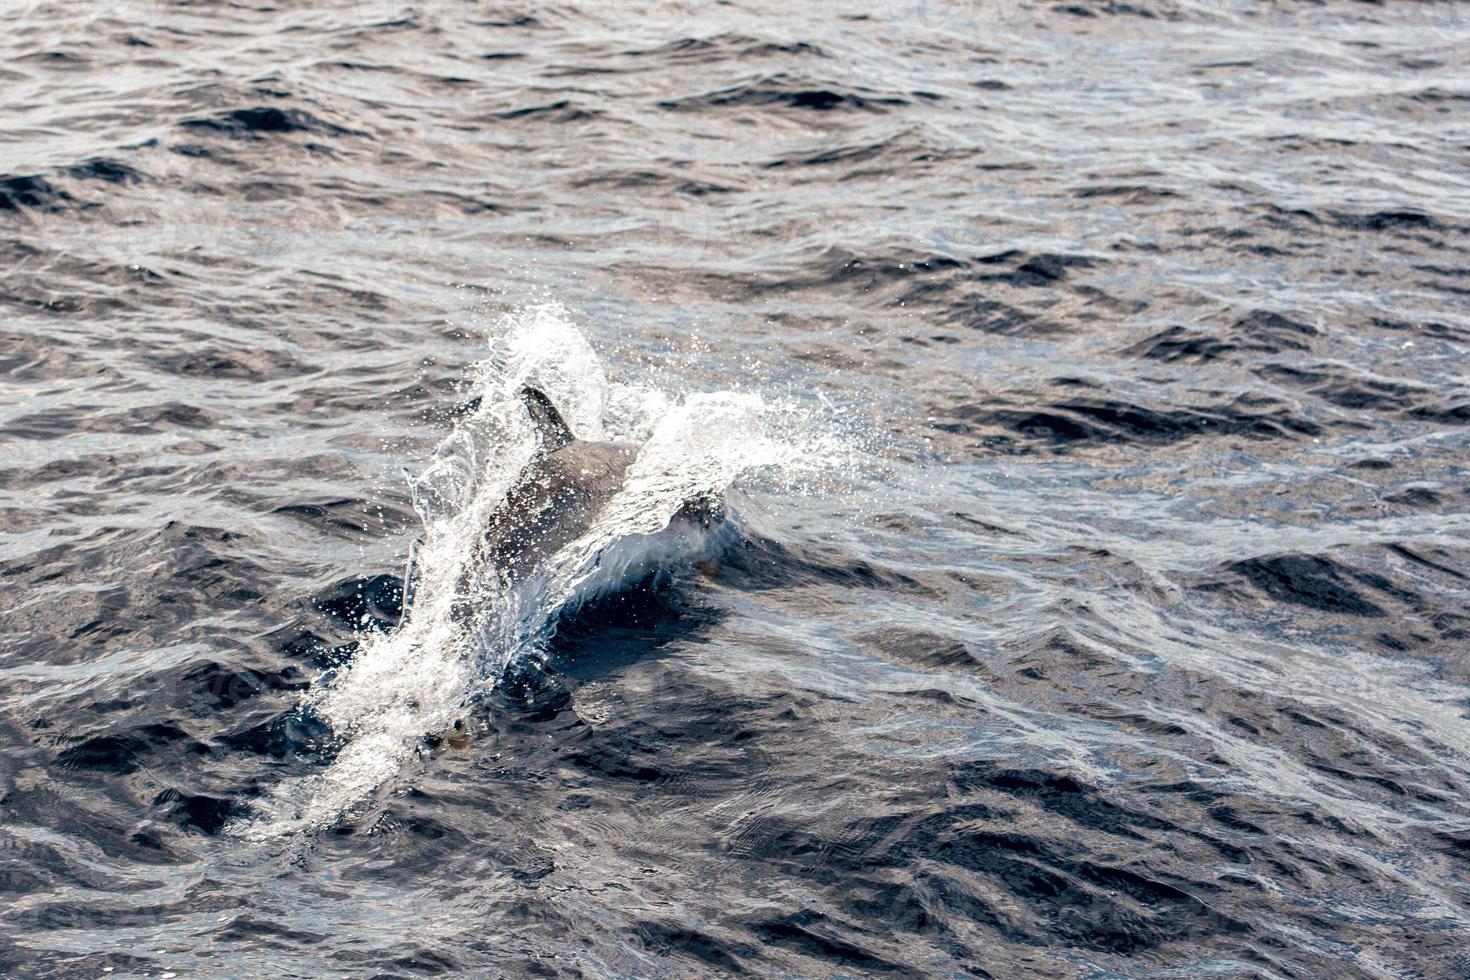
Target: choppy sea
1085 385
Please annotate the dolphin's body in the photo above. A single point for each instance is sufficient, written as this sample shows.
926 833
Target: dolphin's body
558 497
559 494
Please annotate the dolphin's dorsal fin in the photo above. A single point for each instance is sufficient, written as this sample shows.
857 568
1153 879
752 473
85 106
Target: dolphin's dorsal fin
553 428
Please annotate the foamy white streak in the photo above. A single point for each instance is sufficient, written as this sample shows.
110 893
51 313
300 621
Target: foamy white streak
418 680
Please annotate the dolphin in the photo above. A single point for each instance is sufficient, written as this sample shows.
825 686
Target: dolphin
556 499
559 494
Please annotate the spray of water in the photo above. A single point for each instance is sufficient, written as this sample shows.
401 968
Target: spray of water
467 622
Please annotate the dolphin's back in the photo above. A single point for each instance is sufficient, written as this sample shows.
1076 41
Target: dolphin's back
556 501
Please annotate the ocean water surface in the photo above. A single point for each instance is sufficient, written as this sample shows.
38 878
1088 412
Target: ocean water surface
1085 386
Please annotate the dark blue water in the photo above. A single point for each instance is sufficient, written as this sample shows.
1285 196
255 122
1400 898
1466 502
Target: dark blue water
1086 385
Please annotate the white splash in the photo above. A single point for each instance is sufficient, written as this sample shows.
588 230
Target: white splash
417 680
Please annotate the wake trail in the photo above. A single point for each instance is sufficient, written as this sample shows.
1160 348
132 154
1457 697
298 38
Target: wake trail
468 623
